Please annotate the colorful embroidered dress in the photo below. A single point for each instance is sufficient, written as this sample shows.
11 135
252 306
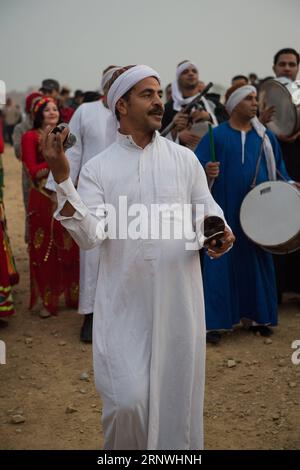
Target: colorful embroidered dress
54 256
8 272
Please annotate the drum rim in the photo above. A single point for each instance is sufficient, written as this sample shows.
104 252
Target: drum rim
283 252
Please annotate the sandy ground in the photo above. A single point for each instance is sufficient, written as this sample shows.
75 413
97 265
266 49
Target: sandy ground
48 378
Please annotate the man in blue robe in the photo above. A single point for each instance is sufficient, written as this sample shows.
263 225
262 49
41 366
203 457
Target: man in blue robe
242 284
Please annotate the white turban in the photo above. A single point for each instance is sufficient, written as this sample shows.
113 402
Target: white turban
120 86
238 95
178 99
184 66
126 81
235 98
107 76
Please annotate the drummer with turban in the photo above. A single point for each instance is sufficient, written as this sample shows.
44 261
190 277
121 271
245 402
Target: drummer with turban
240 286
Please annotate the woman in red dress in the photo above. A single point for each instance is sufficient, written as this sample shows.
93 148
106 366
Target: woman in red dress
54 257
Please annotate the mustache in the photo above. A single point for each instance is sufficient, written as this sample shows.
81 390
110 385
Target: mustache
156 110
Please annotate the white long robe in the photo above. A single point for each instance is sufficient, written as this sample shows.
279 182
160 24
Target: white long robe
149 324
88 124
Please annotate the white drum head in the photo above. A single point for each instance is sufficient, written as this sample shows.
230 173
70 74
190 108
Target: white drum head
270 213
273 93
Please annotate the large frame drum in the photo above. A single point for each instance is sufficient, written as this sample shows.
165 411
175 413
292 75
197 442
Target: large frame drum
270 216
285 96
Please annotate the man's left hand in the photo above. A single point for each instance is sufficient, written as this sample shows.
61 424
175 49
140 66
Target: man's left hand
227 241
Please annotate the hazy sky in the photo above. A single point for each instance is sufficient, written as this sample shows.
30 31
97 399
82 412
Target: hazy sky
73 40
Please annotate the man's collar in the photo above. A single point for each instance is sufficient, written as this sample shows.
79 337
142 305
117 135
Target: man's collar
127 140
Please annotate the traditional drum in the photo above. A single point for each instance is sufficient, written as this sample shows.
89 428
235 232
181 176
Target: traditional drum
285 96
270 216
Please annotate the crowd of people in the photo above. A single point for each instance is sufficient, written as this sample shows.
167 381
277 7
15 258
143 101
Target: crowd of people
53 256
144 305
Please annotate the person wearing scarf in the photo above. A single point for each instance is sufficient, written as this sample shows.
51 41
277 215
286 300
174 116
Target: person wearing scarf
185 88
149 330
89 125
242 284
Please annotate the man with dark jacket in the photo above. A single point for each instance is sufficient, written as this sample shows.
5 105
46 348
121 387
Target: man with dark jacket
185 88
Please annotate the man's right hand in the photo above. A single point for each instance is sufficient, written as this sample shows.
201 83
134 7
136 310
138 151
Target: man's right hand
181 121
267 115
212 169
53 152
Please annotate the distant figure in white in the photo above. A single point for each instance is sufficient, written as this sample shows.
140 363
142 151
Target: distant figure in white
88 124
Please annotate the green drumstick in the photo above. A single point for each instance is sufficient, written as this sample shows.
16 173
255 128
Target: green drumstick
212 143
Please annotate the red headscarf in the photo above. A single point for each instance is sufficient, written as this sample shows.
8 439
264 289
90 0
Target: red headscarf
29 100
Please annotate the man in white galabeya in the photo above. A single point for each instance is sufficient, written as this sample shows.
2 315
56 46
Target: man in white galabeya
149 326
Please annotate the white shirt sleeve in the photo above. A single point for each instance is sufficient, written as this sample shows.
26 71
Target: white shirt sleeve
87 225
